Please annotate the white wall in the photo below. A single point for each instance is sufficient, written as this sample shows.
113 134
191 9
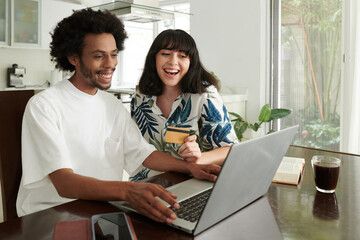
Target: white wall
36 60
231 38
52 12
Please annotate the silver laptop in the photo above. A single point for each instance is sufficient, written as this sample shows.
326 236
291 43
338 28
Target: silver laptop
245 176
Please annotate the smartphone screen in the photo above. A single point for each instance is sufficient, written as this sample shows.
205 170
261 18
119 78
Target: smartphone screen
111 226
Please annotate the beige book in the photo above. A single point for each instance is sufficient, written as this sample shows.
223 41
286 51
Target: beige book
290 171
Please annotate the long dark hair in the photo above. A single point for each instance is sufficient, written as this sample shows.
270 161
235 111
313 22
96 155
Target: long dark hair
196 80
68 35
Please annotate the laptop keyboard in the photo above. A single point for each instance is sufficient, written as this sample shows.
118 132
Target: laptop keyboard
191 208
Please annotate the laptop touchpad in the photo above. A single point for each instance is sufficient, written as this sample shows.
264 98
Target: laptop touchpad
189 188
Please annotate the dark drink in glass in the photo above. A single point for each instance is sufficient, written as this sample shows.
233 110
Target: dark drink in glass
326 173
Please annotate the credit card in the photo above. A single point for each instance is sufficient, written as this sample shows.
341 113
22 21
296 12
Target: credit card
176 135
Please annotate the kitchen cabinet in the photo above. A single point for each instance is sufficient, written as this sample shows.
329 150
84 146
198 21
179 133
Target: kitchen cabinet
4 31
20 23
25 23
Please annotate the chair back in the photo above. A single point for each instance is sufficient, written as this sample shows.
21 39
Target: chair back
12 106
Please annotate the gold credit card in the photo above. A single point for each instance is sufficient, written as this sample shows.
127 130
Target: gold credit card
176 135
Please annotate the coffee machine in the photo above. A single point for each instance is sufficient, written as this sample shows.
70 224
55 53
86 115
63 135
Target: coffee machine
15 76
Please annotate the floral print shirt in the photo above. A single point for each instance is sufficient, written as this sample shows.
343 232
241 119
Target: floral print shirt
205 114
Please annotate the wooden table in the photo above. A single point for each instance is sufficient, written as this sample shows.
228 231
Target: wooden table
303 213
286 212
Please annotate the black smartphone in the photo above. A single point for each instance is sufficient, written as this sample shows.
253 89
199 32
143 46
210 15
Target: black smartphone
111 226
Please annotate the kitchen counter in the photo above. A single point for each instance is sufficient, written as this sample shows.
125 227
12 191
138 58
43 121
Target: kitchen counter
125 94
22 88
35 89
122 90
234 100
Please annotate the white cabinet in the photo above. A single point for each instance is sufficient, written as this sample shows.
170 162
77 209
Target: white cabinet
20 23
25 23
28 23
4 19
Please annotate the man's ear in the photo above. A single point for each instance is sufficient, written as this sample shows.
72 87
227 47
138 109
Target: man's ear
73 59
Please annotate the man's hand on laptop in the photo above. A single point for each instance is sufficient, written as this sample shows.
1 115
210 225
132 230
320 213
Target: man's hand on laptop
204 171
142 197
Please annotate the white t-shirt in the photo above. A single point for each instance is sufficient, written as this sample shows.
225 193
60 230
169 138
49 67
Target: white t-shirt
64 127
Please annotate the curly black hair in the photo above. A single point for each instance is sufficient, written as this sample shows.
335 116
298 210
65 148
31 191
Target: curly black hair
196 80
68 35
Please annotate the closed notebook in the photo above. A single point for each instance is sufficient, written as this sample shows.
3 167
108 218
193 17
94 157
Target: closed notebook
73 230
79 230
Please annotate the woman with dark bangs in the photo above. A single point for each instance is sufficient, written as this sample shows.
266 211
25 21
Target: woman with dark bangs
175 90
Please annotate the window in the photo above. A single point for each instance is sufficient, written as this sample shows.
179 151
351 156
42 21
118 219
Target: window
131 60
316 59
309 67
